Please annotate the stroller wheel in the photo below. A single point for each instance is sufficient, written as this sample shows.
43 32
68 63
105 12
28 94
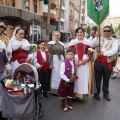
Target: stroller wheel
41 113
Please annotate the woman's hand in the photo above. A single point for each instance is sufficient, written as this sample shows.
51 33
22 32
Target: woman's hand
97 33
28 60
100 54
79 63
8 53
85 61
51 66
7 72
40 66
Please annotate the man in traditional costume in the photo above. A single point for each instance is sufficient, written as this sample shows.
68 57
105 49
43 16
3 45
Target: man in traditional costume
3 27
104 56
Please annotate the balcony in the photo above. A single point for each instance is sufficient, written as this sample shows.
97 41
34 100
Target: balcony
61 27
63 16
71 17
52 12
75 20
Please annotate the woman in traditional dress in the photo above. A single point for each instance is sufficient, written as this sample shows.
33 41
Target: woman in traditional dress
116 69
84 84
57 54
17 49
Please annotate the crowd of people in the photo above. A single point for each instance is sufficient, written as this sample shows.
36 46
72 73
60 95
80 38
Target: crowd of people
89 59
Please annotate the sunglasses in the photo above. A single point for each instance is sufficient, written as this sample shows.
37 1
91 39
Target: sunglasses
2 27
107 30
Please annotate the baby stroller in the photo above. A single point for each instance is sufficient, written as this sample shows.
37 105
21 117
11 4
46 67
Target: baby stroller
22 106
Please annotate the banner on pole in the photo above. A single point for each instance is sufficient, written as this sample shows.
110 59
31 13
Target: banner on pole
98 10
45 1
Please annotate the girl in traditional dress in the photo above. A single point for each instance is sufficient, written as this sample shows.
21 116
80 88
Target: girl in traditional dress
84 84
57 54
18 48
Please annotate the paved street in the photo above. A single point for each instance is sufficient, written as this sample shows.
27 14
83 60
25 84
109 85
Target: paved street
89 110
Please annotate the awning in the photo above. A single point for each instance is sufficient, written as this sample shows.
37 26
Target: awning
12 12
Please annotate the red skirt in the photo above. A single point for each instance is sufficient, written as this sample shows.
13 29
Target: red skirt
66 89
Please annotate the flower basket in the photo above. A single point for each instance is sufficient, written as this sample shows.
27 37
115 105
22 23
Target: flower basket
20 92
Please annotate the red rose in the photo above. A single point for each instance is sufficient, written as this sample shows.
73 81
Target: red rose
9 88
76 77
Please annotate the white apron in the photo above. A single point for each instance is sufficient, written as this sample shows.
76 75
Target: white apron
81 85
55 78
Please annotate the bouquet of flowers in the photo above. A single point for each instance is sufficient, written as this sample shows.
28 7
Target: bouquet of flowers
73 78
90 50
33 48
9 84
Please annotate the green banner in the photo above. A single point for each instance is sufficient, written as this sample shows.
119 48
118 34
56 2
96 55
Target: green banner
45 1
98 10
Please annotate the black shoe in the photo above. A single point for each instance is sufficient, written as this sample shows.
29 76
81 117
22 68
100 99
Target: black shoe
107 97
45 96
81 101
97 97
113 77
74 99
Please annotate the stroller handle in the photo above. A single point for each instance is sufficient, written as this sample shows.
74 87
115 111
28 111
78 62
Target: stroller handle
7 76
2 79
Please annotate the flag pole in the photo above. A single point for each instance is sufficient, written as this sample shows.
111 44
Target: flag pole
99 38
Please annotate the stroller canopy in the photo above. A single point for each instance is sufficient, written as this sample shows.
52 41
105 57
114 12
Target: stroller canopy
27 68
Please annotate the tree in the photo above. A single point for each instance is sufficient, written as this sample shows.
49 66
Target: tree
48 21
88 30
59 20
95 28
117 30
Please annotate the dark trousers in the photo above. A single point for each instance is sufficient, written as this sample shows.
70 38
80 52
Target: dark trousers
44 80
102 71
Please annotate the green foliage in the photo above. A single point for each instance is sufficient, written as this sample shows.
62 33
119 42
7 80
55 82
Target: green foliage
88 29
117 30
95 28
45 1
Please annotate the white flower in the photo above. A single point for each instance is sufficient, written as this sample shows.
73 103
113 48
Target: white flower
9 82
90 50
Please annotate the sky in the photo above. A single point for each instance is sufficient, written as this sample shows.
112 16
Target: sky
114 7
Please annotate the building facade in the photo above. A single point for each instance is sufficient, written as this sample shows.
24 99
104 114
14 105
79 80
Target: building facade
23 13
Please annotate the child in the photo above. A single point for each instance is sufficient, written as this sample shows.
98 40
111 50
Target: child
66 87
42 64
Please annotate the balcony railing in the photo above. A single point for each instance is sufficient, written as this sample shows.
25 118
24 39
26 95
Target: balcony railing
63 3
45 9
63 16
75 20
